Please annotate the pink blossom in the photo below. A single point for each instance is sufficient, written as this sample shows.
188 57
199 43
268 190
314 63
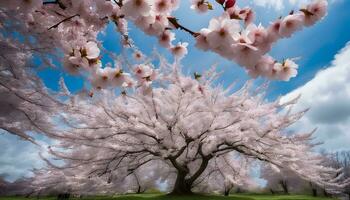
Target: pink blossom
315 11
153 24
91 49
265 65
247 15
70 67
143 71
163 6
273 31
135 8
118 77
259 36
290 24
288 69
199 5
243 39
222 29
180 50
202 41
166 38
76 58
102 77
138 55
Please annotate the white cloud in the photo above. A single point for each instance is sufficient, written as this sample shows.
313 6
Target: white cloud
285 4
328 97
17 157
279 4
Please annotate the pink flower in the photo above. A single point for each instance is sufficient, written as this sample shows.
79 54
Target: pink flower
243 41
86 56
288 69
143 71
153 24
163 6
245 53
202 41
138 55
264 66
166 38
273 32
135 8
91 49
199 5
180 50
222 29
76 58
315 11
70 67
102 77
290 24
259 36
118 77
247 15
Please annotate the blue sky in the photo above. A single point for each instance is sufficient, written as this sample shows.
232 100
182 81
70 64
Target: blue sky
317 46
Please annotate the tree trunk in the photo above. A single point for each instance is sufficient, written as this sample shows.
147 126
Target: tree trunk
271 190
181 187
227 192
325 193
314 192
138 190
284 186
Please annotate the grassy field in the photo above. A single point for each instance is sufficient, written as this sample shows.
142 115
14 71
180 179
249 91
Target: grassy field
164 197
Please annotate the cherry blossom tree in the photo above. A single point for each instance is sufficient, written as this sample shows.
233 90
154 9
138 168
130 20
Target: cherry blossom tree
341 159
136 122
284 181
184 125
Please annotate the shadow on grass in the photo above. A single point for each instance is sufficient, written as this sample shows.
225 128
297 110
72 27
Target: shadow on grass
168 197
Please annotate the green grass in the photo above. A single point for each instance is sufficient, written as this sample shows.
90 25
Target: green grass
197 197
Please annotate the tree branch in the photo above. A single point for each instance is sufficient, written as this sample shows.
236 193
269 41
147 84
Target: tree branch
176 24
66 19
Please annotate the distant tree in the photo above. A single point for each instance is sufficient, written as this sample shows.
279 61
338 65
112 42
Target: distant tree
18 187
341 159
281 180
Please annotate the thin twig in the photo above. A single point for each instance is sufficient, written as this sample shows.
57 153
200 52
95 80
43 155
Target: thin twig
66 19
176 24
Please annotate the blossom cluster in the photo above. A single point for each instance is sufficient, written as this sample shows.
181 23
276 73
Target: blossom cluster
74 25
249 45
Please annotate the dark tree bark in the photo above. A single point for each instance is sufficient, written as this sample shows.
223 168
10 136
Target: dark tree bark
183 183
226 193
139 190
284 186
63 196
182 186
313 189
271 190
